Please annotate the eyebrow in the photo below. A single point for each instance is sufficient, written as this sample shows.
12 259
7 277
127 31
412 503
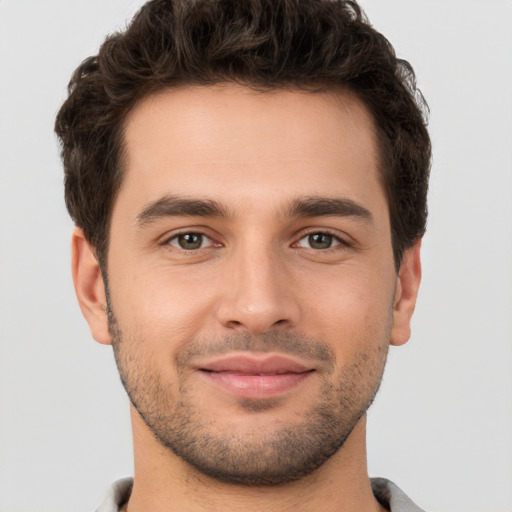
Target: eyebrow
324 207
175 206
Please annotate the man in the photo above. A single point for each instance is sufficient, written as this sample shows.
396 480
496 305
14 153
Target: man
248 182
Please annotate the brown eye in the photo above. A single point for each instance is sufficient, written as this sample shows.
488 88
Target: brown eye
319 241
189 241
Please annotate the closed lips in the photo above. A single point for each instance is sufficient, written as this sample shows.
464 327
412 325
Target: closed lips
246 365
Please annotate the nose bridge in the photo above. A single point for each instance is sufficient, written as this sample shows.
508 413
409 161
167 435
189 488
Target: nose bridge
257 296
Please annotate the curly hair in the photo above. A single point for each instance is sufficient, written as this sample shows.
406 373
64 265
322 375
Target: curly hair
264 44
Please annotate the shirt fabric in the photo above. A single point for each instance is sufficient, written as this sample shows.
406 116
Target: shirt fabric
386 492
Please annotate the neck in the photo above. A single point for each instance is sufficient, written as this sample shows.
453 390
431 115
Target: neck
164 482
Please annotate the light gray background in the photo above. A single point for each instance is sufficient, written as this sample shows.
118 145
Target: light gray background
442 424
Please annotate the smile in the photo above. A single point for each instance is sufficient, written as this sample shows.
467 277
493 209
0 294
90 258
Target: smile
256 378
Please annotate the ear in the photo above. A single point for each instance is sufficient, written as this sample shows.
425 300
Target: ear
89 286
408 283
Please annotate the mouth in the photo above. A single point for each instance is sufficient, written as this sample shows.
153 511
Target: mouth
251 376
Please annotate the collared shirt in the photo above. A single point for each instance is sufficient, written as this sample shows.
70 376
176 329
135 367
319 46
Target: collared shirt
386 492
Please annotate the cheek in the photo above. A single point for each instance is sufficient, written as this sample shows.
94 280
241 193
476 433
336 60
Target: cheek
349 308
165 306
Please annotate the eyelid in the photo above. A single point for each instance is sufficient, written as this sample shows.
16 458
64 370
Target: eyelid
168 238
336 242
204 241
342 241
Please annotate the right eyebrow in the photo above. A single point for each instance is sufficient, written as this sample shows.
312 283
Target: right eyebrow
175 206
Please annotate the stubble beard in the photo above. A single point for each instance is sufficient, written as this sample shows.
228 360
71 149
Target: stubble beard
251 458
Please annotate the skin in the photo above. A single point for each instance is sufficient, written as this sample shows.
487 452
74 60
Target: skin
256 277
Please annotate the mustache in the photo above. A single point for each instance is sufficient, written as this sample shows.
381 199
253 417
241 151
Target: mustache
286 343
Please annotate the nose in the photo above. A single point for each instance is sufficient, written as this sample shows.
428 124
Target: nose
258 293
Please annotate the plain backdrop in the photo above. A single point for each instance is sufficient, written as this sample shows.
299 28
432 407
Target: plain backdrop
441 427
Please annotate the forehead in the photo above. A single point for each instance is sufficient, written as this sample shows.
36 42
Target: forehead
228 141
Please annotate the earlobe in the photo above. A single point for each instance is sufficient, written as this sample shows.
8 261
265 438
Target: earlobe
407 287
89 287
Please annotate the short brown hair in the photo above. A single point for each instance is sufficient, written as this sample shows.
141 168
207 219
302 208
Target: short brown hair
265 44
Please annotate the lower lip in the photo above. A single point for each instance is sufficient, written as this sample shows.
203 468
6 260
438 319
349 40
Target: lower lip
256 386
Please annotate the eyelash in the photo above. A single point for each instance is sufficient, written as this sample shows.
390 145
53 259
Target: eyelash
168 241
338 242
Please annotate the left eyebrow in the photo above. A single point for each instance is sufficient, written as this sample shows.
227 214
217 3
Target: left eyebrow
177 206
324 207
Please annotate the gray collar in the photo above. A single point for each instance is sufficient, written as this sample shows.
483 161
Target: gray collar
391 497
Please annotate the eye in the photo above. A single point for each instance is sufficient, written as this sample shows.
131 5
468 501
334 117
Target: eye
190 241
319 241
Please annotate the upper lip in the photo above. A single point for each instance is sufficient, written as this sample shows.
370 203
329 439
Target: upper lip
256 365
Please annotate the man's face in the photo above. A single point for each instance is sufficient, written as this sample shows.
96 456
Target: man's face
252 288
